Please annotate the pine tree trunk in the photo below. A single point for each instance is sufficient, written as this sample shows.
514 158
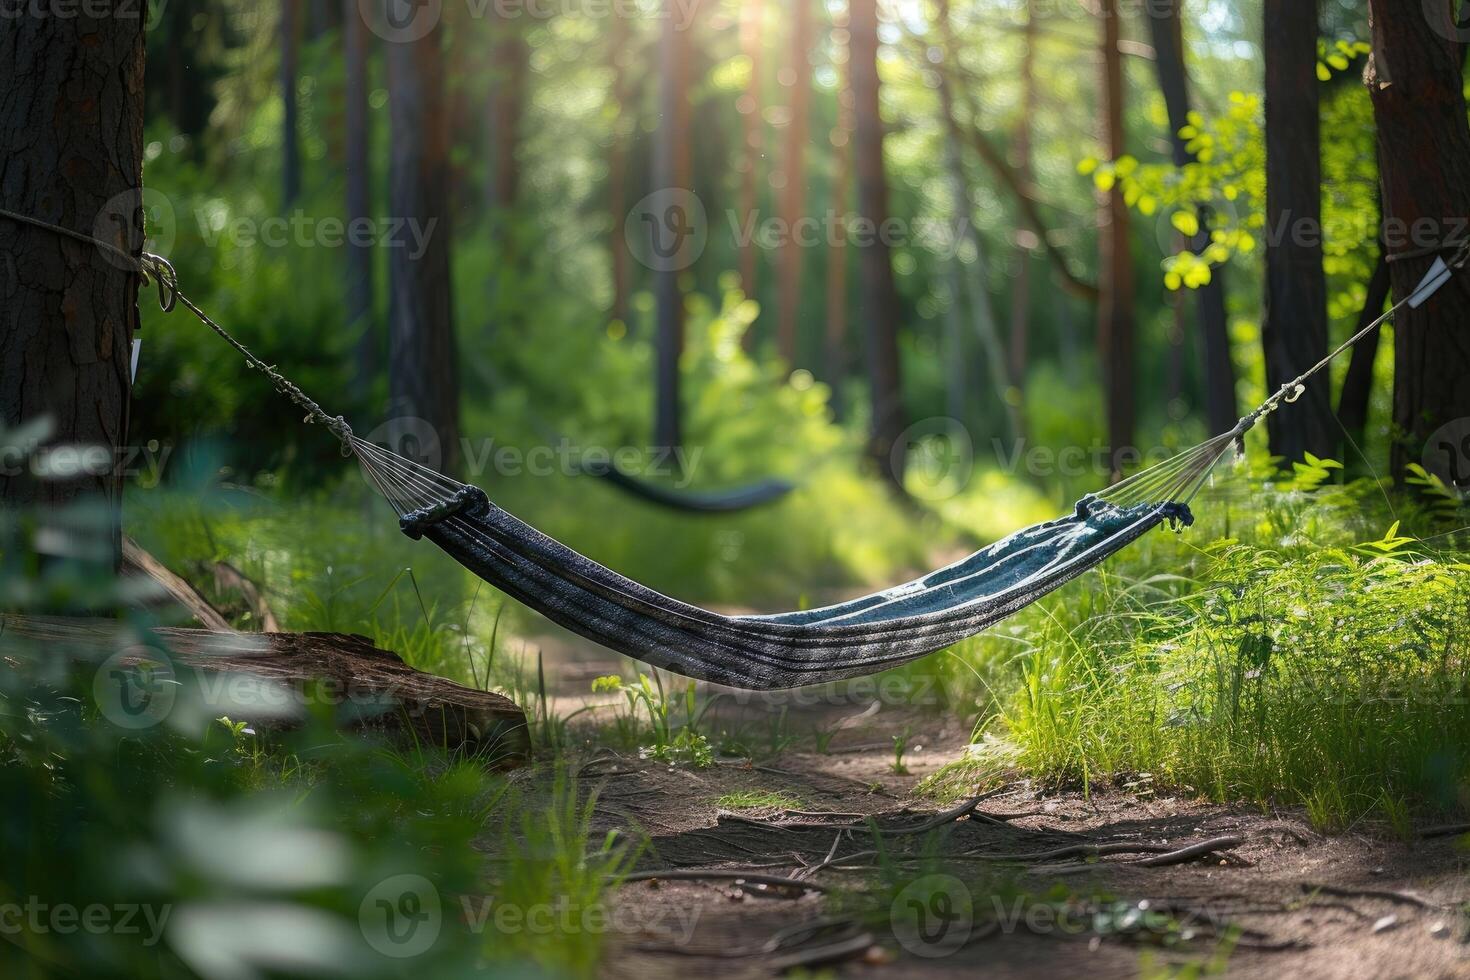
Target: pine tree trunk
836 333
753 128
423 367
1020 333
71 142
1167 29
793 192
290 37
1115 332
879 295
1357 384
511 58
1414 77
359 290
670 173
617 169
1294 333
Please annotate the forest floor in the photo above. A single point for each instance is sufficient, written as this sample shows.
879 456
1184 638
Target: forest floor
979 890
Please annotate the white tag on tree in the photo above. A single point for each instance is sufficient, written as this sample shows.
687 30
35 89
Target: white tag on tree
1437 276
137 346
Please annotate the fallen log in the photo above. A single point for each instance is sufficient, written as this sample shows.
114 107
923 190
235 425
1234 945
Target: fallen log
273 680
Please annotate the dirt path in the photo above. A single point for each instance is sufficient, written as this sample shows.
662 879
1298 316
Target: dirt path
992 890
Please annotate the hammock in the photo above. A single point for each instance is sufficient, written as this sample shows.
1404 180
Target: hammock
725 500
771 652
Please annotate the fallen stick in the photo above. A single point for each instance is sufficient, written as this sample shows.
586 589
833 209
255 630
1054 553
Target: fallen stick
1179 856
1447 830
1383 894
775 881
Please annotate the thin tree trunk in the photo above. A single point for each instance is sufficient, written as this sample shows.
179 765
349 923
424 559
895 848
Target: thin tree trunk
1294 333
880 296
841 138
1357 385
752 16
670 173
423 366
793 192
1167 30
1115 330
617 171
506 107
290 38
71 138
1414 77
359 291
1021 288
976 289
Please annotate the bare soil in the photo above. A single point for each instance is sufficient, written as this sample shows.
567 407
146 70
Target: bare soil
1282 900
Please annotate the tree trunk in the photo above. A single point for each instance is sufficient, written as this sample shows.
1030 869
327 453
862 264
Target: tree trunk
753 127
1294 333
1115 329
973 279
793 192
1357 384
1414 77
670 174
1167 29
290 36
71 142
359 290
424 378
617 169
511 58
841 138
1021 288
880 297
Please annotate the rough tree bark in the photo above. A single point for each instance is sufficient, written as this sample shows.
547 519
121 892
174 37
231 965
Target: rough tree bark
793 191
290 37
359 289
1115 309
1414 78
71 153
423 368
1294 333
1166 27
617 167
879 294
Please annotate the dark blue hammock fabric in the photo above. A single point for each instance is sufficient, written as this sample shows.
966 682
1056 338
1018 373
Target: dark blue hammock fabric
813 646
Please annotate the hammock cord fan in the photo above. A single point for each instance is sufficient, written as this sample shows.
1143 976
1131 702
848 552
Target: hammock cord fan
771 652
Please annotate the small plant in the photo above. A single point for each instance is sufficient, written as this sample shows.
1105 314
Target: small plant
900 746
647 720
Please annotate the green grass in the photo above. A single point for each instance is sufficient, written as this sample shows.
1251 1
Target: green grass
1310 658
756 799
